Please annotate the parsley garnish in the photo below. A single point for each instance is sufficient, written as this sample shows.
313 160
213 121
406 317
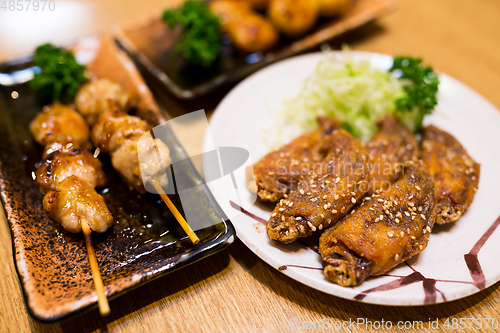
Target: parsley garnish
420 85
60 75
199 41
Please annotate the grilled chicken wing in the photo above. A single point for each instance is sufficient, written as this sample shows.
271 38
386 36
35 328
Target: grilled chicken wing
455 173
326 193
57 126
392 146
66 163
74 199
279 171
96 97
383 231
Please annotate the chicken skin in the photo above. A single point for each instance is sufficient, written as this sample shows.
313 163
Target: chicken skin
277 173
455 173
73 200
383 231
326 193
392 146
57 126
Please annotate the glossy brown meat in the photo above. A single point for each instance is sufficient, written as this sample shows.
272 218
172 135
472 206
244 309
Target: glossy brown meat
392 146
326 193
69 162
73 200
114 127
60 125
384 231
455 173
277 173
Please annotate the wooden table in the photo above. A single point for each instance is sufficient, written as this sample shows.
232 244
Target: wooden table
235 290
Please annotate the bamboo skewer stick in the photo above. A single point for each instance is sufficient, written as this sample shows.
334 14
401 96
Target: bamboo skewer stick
174 211
94 266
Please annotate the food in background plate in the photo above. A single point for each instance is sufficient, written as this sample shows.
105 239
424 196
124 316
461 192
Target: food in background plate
455 173
383 231
389 149
330 8
250 31
326 193
229 12
293 17
253 33
258 4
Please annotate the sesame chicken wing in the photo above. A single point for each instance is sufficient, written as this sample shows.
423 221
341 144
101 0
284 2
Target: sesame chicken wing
57 126
384 231
455 173
279 171
326 193
392 146
66 163
73 200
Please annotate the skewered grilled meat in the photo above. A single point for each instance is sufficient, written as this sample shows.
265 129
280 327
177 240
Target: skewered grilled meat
455 173
383 231
277 173
57 126
392 146
95 97
74 199
67 176
326 193
64 163
120 134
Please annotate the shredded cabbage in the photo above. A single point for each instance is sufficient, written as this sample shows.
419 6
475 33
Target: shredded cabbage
352 91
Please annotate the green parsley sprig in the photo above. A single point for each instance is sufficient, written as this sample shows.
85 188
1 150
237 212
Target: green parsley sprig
421 85
60 75
199 41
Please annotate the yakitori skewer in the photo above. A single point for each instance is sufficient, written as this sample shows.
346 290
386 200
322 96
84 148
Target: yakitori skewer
67 176
125 137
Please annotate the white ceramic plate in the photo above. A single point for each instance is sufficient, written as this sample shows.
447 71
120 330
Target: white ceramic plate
461 259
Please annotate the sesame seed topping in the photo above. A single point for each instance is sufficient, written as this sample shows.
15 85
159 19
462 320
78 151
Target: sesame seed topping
408 231
322 216
396 257
428 229
397 220
424 231
313 186
329 205
353 200
421 247
407 214
313 228
308 193
334 211
325 207
419 209
402 233
411 204
411 197
337 180
320 227
377 219
301 191
325 196
371 209
381 217
298 218
353 193
281 209
290 204
367 198
273 214
380 200
390 234
422 216
418 188
413 237
336 197
283 218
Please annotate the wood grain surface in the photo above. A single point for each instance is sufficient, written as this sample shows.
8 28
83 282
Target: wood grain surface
234 290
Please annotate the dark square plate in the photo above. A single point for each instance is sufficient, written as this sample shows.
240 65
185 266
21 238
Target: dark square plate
150 43
144 243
